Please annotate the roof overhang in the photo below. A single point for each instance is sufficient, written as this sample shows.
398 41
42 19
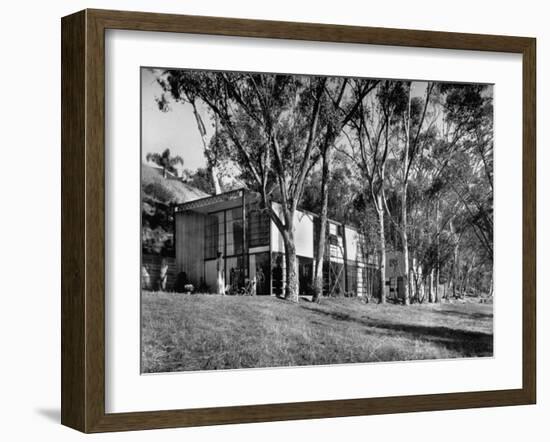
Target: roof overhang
223 201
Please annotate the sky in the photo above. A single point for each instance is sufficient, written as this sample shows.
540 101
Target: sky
177 129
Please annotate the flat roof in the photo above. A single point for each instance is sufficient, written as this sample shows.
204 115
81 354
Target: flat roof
221 201
231 199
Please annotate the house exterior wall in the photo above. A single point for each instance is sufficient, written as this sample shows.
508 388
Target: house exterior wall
303 234
335 242
189 242
354 245
200 235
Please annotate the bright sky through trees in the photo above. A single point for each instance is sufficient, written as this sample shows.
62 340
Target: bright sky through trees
177 129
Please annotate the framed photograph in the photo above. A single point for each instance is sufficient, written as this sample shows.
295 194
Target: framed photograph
266 221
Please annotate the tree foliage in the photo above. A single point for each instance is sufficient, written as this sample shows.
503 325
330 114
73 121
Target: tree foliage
165 160
413 168
269 127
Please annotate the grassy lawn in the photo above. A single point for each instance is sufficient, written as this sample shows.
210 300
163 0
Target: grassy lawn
207 332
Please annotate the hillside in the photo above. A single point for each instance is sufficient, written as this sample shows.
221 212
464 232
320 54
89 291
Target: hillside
173 189
158 196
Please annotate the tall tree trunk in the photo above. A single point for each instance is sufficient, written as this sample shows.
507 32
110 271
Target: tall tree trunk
431 287
213 169
438 254
292 282
436 295
404 234
382 236
286 230
214 174
320 251
415 293
456 271
366 279
420 283
466 280
455 268
405 240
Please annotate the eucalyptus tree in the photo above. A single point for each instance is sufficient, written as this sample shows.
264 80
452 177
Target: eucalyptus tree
411 131
269 129
468 117
456 172
369 145
413 118
339 106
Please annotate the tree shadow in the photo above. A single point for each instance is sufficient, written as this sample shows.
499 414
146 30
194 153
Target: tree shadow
467 343
464 315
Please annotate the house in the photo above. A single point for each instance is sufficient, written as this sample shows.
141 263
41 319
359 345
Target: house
233 224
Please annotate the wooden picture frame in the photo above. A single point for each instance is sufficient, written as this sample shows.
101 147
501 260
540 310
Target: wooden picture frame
83 220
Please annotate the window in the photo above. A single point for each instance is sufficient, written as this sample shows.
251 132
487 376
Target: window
213 235
234 229
223 233
258 228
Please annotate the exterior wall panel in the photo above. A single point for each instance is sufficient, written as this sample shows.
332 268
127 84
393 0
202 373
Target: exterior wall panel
189 236
303 225
353 246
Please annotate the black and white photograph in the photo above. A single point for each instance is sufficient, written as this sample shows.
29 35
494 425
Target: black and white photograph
301 220
269 221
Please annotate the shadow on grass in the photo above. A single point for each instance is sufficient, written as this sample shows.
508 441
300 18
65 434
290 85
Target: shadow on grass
464 315
468 343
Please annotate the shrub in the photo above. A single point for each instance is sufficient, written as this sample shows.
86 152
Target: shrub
181 282
159 192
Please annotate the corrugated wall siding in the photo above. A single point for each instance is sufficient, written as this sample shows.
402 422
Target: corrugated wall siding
189 240
150 272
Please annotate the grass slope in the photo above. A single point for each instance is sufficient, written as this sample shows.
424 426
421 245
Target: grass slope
175 190
207 332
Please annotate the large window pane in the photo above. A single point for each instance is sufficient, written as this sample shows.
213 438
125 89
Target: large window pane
258 228
211 236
